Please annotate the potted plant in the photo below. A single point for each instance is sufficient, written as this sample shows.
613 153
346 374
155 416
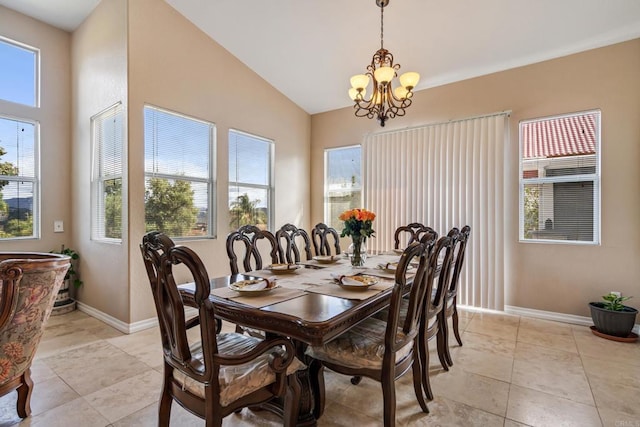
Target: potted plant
612 318
64 303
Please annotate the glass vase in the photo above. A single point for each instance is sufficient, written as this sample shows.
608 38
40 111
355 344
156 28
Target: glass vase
357 251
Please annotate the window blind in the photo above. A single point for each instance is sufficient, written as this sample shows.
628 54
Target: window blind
108 203
444 175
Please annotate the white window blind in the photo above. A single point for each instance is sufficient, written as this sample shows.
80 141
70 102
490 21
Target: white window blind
179 174
19 72
342 183
444 175
108 183
250 180
560 179
19 183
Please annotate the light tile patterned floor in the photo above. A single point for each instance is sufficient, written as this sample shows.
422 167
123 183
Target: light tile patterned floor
511 371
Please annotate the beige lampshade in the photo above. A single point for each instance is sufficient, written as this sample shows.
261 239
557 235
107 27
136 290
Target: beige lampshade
384 74
410 79
359 81
400 92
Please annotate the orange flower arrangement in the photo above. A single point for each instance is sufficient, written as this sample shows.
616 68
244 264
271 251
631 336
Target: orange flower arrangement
357 222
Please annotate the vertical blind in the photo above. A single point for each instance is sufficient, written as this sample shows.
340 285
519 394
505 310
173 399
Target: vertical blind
444 175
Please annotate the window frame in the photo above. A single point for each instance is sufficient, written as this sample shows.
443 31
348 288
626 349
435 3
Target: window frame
210 180
270 187
326 192
35 180
36 71
97 178
595 178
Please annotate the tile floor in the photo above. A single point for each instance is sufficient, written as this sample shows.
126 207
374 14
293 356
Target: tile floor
512 371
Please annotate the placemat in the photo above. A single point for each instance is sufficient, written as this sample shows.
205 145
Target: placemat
333 289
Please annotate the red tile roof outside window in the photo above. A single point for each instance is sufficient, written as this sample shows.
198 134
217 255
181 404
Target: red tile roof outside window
560 137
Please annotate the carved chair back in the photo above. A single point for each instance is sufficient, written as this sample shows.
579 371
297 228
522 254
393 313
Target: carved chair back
322 235
247 240
409 233
288 237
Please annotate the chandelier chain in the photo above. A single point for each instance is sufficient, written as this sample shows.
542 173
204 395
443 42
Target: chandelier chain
382 27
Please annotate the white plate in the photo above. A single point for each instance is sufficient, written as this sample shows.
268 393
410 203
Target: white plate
283 268
253 286
326 259
398 251
357 283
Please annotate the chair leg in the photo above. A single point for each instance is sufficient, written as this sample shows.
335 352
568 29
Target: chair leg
442 339
389 399
164 405
417 380
24 394
423 354
455 323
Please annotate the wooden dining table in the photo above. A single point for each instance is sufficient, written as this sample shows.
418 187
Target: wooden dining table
308 306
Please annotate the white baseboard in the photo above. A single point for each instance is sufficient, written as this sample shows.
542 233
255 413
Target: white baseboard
557 317
127 328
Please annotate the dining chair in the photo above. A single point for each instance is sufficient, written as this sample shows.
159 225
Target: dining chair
378 349
321 235
288 237
29 284
222 372
249 238
450 309
410 233
437 277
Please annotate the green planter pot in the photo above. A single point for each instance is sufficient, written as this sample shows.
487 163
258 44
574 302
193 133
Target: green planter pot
615 323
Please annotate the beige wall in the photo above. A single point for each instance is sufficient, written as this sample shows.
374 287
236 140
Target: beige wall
174 65
99 64
54 117
550 277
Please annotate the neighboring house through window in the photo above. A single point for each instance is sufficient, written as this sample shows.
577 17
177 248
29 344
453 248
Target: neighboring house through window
250 180
179 174
342 182
107 137
560 178
19 140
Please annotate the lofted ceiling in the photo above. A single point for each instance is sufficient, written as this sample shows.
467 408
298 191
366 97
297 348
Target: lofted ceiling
308 49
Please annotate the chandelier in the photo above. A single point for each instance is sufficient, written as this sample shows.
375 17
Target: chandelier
385 102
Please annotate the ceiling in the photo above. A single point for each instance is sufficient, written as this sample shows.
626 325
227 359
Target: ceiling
308 49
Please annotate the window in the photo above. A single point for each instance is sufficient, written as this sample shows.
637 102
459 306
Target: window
107 136
342 183
179 175
560 178
250 180
18 73
19 184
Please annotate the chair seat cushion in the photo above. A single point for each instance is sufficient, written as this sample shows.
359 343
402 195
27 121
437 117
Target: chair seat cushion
238 380
360 347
